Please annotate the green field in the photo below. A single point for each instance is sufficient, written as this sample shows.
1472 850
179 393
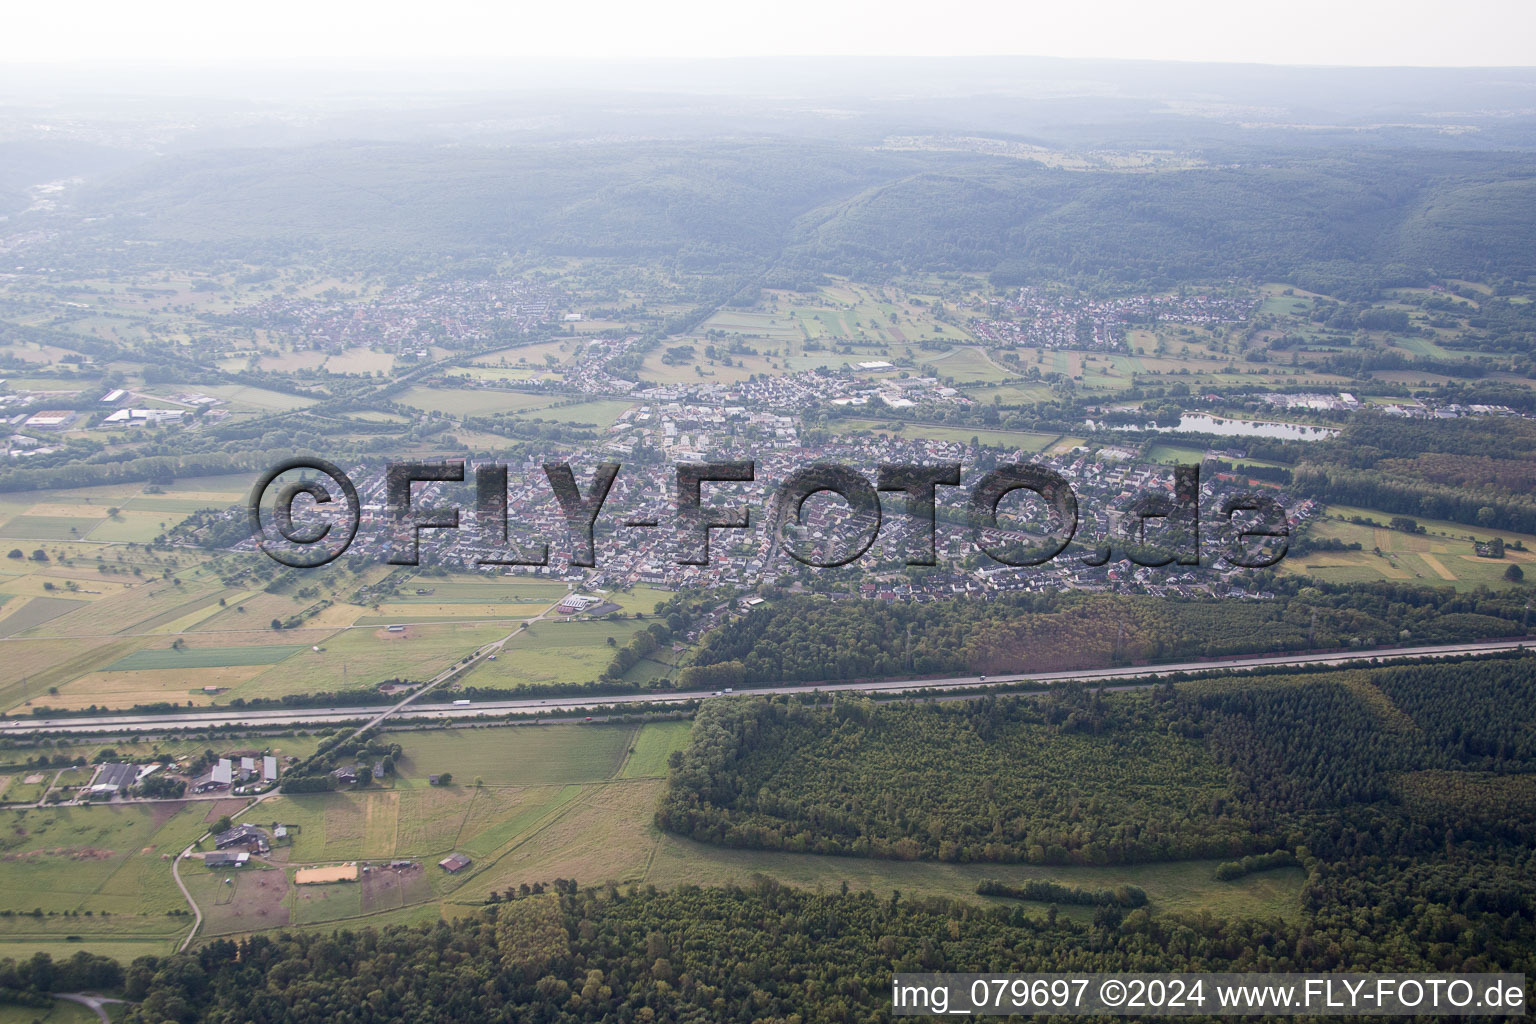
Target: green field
110 861
162 659
259 399
472 402
968 366
49 527
643 599
364 657
1162 451
35 612
455 592
599 413
60 1012
22 792
556 652
516 755
1441 556
655 743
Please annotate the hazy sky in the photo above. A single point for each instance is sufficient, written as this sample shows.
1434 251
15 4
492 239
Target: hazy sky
1413 32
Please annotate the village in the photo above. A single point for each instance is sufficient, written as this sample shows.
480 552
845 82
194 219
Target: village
1107 482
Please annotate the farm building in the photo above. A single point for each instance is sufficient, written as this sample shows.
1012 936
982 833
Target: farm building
454 863
241 835
114 778
269 769
226 860
576 603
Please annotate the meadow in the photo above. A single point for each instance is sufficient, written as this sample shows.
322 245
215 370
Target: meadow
472 402
170 659
516 755
59 1012
1442 555
555 652
121 608
98 872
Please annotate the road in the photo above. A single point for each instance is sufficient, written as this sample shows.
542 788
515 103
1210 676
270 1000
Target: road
408 710
196 910
96 1003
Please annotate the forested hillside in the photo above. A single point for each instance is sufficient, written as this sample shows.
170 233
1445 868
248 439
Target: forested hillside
708 207
1343 225
1331 225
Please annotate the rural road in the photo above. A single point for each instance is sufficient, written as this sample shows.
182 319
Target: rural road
197 913
93 1002
408 710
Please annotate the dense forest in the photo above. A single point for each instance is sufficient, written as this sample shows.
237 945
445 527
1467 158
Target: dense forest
1476 471
807 638
1212 768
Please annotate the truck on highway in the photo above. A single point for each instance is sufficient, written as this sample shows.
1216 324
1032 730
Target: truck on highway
461 703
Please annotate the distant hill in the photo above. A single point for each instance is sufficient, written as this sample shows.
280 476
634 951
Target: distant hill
1340 223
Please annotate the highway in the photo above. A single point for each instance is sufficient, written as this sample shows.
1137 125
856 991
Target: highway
1127 677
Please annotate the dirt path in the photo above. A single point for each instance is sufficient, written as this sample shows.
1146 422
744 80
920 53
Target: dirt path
93 1002
197 913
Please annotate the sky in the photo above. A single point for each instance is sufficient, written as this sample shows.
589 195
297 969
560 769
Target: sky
1350 32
